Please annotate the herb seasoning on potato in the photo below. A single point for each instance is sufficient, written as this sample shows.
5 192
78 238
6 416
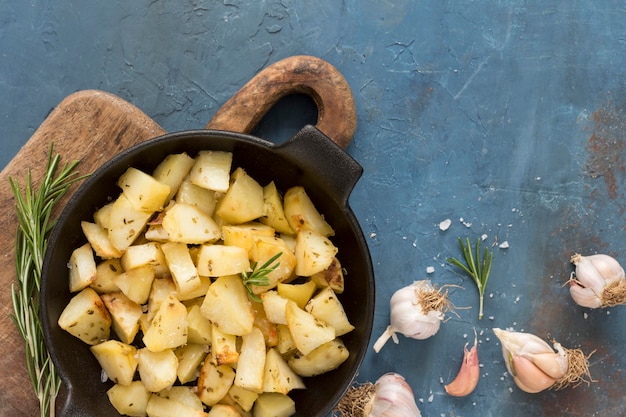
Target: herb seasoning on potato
201 289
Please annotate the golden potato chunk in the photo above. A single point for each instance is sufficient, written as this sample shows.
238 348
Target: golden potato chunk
143 191
118 360
302 214
243 202
86 317
82 268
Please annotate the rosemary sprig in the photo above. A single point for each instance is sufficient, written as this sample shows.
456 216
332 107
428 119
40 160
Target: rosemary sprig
476 267
34 210
258 277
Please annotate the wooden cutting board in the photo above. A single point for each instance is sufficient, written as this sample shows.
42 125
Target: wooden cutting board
92 126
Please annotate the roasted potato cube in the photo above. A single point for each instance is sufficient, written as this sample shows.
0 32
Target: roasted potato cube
190 358
242 397
86 317
187 224
143 191
270 334
227 305
322 359
251 362
223 347
199 327
168 329
184 395
277 376
223 410
193 195
273 213
136 283
326 306
99 240
300 293
172 171
125 223
117 359
125 315
149 253
105 272
157 370
162 406
200 291
162 288
243 202
307 332
245 235
314 253
181 267
214 382
129 400
330 277
220 260
265 248
302 214
274 306
273 404
102 216
212 170
285 344
82 268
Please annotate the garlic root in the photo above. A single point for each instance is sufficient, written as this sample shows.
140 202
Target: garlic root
577 370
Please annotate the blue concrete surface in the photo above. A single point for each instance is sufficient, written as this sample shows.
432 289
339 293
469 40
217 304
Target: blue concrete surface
506 117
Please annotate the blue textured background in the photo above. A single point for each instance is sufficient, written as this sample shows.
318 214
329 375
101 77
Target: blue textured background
508 115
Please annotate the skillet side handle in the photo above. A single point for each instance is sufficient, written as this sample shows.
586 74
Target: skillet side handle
336 171
301 74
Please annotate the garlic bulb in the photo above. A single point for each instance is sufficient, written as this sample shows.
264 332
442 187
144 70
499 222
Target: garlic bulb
535 366
390 396
416 312
467 378
600 281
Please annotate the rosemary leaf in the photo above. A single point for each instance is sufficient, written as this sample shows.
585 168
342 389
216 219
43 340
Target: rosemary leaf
477 267
258 277
34 210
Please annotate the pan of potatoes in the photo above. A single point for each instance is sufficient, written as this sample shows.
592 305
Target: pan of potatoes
210 273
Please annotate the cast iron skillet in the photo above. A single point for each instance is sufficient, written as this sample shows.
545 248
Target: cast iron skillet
309 159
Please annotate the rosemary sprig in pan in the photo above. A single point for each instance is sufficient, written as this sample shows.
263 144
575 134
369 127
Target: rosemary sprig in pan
34 209
258 277
476 267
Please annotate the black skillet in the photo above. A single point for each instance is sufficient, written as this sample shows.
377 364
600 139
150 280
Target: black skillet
309 159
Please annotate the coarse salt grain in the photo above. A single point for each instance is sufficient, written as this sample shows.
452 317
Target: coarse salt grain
445 225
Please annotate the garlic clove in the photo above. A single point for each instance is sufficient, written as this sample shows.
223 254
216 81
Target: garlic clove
467 378
584 297
520 343
552 364
529 375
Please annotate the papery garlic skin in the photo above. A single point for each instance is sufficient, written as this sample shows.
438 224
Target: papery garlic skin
595 275
394 398
532 362
408 317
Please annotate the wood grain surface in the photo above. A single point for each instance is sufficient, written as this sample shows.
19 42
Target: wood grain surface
92 126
